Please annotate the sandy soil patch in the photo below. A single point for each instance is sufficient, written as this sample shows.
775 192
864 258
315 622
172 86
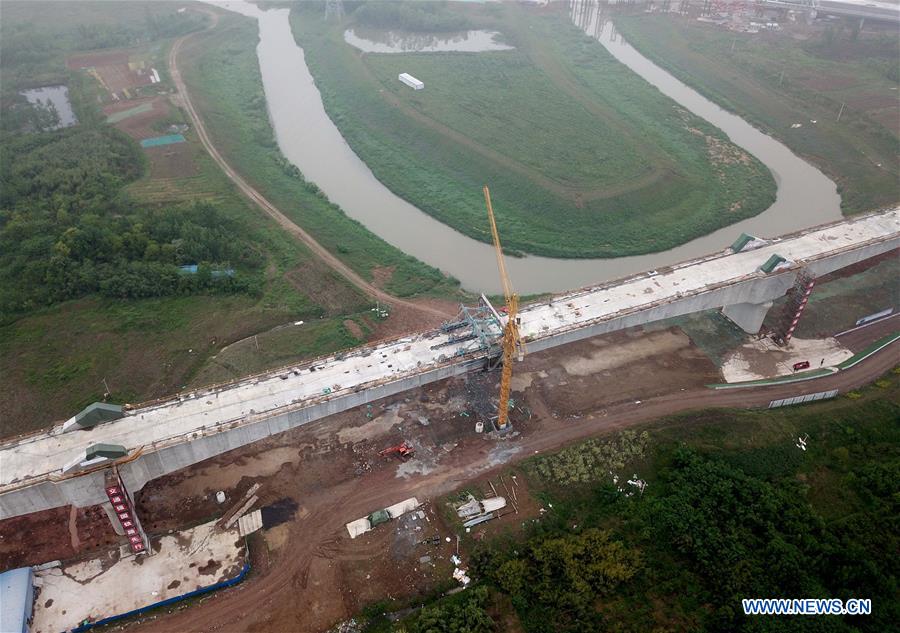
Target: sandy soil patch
763 359
612 356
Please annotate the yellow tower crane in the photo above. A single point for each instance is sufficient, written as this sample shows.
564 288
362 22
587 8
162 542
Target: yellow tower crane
512 340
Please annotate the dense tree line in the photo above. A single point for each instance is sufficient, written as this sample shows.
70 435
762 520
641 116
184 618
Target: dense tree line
555 580
705 535
466 613
33 49
411 16
67 230
746 537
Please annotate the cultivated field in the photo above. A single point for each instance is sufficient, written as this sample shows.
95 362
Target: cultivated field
583 157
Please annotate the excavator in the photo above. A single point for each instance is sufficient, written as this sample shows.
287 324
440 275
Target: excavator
513 345
402 450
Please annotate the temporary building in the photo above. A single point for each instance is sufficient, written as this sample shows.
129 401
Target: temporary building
93 415
411 81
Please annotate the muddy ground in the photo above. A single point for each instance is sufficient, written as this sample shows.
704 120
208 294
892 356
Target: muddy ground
438 420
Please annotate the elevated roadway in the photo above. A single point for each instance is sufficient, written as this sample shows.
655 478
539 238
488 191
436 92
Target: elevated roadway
170 434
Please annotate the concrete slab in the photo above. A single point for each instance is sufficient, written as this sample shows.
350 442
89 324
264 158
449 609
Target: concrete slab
104 587
250 523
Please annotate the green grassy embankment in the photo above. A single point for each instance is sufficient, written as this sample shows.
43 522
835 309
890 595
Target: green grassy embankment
222 71
861 152
583 157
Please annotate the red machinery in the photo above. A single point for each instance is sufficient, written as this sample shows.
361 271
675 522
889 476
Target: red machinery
402 450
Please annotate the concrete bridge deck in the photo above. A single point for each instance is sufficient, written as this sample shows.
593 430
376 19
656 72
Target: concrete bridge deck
167 435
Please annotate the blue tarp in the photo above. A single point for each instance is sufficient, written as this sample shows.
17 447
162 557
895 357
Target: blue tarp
162 140
16 600
191 269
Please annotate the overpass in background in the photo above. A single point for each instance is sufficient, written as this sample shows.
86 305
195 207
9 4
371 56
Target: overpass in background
66 465
862 9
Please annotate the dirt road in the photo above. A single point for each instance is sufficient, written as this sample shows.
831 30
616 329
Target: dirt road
257 198
287 594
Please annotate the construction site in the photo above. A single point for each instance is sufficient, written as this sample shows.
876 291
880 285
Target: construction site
297 498
221 480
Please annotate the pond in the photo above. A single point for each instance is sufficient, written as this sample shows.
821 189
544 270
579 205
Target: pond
386 41
58 98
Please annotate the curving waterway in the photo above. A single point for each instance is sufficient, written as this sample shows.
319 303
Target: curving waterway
309 139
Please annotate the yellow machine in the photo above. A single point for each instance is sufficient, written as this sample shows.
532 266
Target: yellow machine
512 341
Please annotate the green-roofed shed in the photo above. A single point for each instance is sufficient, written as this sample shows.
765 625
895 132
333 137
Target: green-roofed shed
109 451
378 517
771 263
741 242
96 413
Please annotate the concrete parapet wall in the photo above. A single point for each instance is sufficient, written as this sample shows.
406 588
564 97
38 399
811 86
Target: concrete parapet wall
88 490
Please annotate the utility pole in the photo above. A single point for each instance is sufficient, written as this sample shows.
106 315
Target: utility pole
781 78
841 111
733 42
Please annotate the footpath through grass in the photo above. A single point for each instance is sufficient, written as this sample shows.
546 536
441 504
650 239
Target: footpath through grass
583 157
776 82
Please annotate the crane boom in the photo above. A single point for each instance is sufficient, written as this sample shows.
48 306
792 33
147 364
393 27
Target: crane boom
512 341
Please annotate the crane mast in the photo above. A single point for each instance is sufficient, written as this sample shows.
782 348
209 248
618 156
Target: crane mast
512 341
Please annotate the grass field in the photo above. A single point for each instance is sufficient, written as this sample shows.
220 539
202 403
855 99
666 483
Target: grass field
38 33
583 157
775 82
222 72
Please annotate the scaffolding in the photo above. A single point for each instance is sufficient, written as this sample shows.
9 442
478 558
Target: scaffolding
478 327
798 297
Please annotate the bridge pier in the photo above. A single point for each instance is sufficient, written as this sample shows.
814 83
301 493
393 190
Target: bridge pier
113 519
747 316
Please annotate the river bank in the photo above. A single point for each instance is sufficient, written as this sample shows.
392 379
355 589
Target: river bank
302 127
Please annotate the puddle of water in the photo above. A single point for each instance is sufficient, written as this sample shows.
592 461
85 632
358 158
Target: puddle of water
58 97
309 139
386 41
279 512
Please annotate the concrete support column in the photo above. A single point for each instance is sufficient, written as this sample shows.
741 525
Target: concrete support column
113 519
747 316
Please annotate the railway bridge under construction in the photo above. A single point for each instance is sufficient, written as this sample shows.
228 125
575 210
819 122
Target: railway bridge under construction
68 464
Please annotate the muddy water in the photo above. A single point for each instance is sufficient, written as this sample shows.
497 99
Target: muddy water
309 139
386 41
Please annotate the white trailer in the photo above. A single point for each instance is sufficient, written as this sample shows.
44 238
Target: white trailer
411 81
